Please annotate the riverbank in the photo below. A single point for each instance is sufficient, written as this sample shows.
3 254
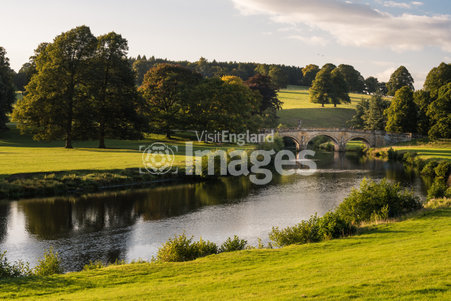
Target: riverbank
424 149
399 260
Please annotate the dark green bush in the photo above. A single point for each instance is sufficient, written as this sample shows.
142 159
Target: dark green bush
49 264
304 232
429 169
392 154
409 157
438 189
443 169
332 225
234 244
180 248
371 198
93 265
12 270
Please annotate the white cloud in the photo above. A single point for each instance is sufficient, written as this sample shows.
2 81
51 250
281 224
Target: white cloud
417 3
357 24
397 4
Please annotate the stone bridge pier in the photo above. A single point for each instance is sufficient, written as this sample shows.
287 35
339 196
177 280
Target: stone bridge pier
340 137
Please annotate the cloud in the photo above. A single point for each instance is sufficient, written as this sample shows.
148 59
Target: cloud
310 40
397 4
357 24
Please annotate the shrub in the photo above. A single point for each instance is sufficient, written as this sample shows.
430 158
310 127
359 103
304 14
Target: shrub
429 169
180 248
93 265
49 264
371 198
332 225
443 169
438 189
409 157
234 244
8 270
392 154
438 203
304 232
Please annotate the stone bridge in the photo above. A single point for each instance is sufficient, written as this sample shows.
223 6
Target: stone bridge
340 137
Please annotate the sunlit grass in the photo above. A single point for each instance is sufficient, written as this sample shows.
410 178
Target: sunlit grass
426 150
406 260
297 106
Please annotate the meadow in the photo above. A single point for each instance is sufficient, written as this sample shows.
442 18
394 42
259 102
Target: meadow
405 260
297 106
426 150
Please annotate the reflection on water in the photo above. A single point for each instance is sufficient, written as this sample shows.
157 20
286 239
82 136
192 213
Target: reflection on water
132 224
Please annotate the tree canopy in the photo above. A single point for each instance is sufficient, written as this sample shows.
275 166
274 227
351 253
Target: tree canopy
402 113
354 80
436 78
329 86
7 89
400 78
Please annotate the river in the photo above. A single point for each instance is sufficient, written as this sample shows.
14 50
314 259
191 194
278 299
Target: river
130 225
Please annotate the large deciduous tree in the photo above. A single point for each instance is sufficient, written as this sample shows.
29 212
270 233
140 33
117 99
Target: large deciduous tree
422 100
322 87
374 117
352 77
436 78
167 88
439 112
7 90
58 95
400 78
116 105
402 113
339 88
308 74
371 85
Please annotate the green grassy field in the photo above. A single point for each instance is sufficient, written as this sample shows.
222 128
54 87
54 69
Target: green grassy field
20 154
426 150
408 260
297 106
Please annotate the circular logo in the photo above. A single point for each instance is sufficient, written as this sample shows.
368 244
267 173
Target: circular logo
158 158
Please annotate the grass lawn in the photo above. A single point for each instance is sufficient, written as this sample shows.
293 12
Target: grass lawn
426 150
408 260
297 106
20 154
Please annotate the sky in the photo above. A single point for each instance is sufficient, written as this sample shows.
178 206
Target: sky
375 36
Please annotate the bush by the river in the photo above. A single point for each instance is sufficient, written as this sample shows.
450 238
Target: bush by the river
373 198
182 248
233 244
12 270
49 264
315 229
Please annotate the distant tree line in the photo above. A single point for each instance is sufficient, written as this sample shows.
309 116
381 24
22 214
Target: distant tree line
426 112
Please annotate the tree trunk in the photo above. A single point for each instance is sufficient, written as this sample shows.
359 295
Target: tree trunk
322 105
68 140
168 134
335 105
102 136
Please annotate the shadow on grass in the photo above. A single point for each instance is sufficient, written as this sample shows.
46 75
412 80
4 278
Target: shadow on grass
327 117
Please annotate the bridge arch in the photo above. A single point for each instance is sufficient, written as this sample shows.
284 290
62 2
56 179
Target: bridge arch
359 138
292 139
331 137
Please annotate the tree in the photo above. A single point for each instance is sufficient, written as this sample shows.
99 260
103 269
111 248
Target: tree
436 78
402 113
383 88
262 69
308 74
422 99
371 85
329 66
7 90
374 117
267 92
358 120
58 95
400 78
166 88
352 77
278 77
439 112
339 88
115 104
322 87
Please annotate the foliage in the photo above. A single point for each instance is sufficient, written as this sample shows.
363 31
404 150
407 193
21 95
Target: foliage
371 85
278 77
438 203
402 113
233 244
372 197
439 112
438 189
354 80
369 114
358 119
400 78
7 90
443 169
329 86
49 264
9 270
166 88
429 168
392 154
437 78
93 265
309 73
181 248
422 99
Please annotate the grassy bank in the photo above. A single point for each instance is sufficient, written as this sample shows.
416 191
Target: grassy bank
426 150
403 260
297 106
